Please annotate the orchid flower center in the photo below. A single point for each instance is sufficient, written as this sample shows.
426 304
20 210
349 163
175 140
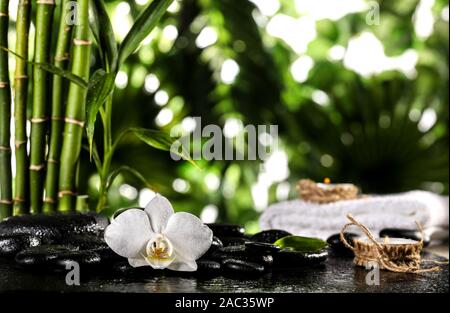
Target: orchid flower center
159 251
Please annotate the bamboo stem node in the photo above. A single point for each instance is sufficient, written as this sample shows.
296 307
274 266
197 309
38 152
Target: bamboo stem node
47 2
63 193
37 168
60 58
52 161
19 200
49 200
73 121
4 84
81 42
39 120
5 201
5 148
20 77
4 14
19 143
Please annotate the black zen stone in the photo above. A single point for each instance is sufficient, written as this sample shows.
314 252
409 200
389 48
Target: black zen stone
13 244
84 241
64 261
53 227
338 247
262 259
406 234
260 247
237 248
291 259
41 256
226 230
208 266
242 267
270 236
233 241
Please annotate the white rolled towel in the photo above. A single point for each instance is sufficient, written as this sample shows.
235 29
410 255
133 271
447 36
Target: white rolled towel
376 212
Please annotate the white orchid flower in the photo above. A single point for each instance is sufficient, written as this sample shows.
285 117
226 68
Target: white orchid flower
158 237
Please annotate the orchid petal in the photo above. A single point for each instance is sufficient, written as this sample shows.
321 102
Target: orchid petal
138 262
188 235
128 234
159 210
183 265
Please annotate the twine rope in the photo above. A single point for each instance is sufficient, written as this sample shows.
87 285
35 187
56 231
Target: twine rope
414 261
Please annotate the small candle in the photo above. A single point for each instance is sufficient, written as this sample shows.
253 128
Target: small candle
403 251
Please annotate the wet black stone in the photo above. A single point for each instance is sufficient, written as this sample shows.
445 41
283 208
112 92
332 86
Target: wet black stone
237 248
13 244
244 267
233 241
244 255
406 234
269 236
292 259
208 266
338 247
41 256
125 269
226 230
64 261
260 247
53 227
84 242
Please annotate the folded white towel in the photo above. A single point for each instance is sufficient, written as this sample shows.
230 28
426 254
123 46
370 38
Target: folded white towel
376 212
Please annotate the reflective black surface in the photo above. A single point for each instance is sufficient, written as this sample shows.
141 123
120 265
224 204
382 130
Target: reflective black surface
338 274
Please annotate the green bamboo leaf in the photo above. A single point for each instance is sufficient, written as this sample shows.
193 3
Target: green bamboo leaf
52 69
142 27
105 37
162 141
301 244
131 171
100 87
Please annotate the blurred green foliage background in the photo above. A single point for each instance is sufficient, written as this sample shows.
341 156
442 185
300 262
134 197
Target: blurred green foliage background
359 90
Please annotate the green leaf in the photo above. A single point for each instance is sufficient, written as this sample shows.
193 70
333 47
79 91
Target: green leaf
104 34
100 87
301 244
142 27
162 141
52 69
131 171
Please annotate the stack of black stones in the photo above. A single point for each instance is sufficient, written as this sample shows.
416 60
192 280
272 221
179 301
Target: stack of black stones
53 242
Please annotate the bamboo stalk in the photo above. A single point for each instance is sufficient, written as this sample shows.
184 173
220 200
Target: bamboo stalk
21 196
44 19
57 121
5 118
75 112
